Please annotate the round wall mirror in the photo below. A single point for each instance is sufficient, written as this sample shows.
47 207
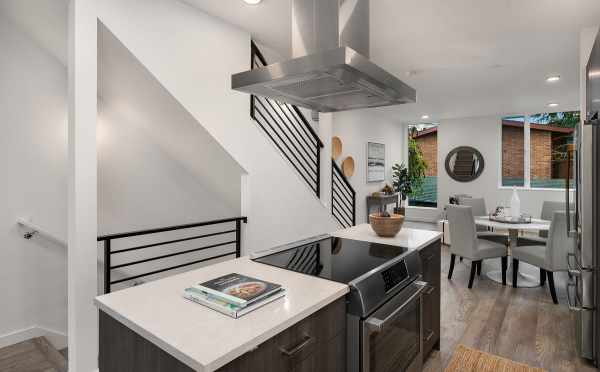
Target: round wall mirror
464 164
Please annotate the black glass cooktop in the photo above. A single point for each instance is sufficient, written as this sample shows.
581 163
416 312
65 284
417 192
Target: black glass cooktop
338 259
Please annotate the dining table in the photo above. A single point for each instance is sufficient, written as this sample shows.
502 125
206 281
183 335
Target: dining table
527 273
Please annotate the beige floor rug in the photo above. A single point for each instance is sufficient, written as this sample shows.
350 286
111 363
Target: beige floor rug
466 359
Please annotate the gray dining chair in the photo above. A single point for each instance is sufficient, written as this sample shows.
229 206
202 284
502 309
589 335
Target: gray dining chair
479 209
549 257
465 242
548 209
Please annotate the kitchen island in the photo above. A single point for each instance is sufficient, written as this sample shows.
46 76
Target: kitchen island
152 328
196 338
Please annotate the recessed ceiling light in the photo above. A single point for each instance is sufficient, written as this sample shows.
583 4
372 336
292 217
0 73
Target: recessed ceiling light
553 78
252 2
552 104
425 117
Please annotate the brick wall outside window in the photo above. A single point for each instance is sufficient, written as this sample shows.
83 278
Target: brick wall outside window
428 146
540 154
513 150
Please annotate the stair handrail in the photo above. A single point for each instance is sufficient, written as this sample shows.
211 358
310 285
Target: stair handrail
256 52
346 200
33 230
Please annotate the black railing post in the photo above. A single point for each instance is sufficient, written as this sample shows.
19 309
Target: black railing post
107 266
354 208
238 238
318 171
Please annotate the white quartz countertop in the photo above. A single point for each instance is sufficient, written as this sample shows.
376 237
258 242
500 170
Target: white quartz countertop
205 339
407 238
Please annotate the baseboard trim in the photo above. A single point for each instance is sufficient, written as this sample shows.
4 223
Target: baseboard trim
56 338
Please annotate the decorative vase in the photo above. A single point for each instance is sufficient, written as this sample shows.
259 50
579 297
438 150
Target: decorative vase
515 204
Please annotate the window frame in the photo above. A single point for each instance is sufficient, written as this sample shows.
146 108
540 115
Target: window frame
526 161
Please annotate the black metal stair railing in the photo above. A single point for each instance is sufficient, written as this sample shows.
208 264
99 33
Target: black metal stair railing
288 129
224 234
343 197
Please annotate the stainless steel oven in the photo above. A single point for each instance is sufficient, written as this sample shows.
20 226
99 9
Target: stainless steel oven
392 336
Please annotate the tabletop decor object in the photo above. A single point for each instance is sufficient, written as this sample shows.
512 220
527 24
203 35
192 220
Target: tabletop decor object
515 203
385 224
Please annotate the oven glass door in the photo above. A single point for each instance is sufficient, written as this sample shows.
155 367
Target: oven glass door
392 336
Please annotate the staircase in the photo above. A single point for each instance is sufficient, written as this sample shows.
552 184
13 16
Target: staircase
288 129
291 133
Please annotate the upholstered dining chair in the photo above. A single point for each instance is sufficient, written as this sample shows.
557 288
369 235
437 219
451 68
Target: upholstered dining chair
479 209
549 257
548 209
465 242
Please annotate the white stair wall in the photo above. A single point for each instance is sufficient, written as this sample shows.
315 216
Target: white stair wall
193 56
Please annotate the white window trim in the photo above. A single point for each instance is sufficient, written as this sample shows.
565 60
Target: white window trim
526 161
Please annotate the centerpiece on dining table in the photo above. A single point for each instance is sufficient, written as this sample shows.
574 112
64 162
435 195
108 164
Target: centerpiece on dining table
511 215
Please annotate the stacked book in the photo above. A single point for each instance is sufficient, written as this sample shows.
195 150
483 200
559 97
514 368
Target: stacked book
234 294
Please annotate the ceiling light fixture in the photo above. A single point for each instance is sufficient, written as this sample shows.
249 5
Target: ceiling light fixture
552 104
252 2
425 117
553 78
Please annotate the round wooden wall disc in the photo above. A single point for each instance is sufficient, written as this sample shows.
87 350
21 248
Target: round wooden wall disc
336 147
348 166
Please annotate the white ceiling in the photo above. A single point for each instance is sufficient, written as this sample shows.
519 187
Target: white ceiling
464 57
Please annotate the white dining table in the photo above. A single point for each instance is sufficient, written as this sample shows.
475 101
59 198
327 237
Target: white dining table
527 273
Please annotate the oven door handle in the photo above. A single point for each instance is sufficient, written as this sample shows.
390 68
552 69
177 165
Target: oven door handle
376 325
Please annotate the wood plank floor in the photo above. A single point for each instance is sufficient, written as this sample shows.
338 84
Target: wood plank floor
521 324
35 355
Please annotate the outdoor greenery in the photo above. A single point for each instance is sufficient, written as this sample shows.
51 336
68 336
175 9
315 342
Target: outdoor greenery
409 181
557 119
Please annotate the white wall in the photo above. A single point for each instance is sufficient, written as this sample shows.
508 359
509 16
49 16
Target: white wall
156 165
33 164
197 56
355 129
484 134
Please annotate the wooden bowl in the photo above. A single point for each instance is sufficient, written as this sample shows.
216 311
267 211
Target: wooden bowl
336 147
348 166
386 226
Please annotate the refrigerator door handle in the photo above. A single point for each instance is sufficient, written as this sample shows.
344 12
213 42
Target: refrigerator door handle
572 305
576 269
567 192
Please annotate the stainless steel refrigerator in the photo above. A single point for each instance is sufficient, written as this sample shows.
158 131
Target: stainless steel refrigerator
583 289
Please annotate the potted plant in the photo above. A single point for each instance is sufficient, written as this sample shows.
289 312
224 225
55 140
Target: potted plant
402 185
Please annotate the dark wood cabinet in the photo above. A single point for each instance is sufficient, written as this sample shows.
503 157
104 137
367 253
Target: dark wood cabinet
317 343
314 344
431 259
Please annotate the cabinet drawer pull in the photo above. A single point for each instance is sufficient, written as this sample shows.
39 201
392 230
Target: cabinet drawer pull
307 340
429 290
429 336
430 257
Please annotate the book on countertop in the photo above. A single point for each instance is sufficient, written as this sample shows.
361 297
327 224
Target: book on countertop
225 307
237 289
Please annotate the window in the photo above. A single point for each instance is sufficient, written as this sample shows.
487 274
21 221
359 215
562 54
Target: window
422 158
550 137
513 151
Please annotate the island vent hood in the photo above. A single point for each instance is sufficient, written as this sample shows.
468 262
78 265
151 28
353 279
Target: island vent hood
330 70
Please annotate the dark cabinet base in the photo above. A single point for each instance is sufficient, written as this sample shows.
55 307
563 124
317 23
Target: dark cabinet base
431 259
315 344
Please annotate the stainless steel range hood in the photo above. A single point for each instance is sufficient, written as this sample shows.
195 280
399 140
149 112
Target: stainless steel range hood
325 76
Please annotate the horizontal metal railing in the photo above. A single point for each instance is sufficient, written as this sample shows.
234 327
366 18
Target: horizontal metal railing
288 129
343 197
109 252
